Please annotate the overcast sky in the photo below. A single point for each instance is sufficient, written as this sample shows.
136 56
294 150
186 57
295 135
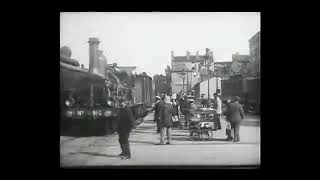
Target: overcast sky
145 40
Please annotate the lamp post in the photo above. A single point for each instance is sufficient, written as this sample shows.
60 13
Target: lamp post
182 75
208 59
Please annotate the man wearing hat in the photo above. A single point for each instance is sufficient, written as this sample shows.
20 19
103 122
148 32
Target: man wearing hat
218 107
166 112
228 127
156 109
126 123
235 114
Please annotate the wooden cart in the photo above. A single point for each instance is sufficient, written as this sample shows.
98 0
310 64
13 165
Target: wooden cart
202 122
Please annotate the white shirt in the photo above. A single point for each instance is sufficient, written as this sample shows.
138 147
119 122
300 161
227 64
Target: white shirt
219 106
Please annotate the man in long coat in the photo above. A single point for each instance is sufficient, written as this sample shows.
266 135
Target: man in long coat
228 128
156 109
235 114
166 111
126 123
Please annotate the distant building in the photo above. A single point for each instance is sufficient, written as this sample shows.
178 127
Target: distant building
214 84
240 64
223 69
254 46
186 71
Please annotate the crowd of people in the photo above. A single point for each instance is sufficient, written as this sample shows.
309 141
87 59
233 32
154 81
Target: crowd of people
166 116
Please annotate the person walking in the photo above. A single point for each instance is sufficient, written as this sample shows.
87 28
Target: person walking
165 120
236 115
228 127
187 110
126 123
175 113
218 107
156 110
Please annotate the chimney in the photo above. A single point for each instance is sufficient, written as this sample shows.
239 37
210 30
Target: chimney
207 52
93 55
172 55
188 54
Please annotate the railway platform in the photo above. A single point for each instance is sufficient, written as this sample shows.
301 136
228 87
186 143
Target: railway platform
103 150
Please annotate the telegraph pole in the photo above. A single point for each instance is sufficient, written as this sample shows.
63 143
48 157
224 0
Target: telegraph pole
182 74
208 75
208 64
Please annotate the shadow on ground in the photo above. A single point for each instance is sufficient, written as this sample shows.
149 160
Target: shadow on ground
95 154
147 132
250 123
144 142
189 138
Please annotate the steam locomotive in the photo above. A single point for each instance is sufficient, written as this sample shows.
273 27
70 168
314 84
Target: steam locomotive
90 98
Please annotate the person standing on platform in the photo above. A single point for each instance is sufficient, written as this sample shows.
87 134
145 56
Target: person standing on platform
236 115
228 127
126 123
218 107
175 113
156 110
187 110
166 120
219 92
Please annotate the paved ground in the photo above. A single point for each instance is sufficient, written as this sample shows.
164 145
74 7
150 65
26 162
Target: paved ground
102 151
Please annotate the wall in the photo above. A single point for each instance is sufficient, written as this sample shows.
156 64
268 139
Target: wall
212 87
254 46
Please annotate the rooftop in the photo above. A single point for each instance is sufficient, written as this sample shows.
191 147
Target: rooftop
240 58
191 59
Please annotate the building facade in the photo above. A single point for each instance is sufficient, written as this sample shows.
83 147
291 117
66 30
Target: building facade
240 64
186 71
214 84
223 69
254 46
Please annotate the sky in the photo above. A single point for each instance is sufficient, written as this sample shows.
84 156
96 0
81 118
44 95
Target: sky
146 39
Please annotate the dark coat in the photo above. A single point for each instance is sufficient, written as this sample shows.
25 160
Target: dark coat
126 120
226 112
235 112
175 109
186 107
166 111
157 110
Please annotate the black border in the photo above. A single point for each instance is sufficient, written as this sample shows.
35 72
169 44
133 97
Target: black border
45 70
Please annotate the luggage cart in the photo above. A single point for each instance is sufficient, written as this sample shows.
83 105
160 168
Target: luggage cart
202 122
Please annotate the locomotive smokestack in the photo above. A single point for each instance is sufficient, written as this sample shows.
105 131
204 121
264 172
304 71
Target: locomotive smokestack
93 55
